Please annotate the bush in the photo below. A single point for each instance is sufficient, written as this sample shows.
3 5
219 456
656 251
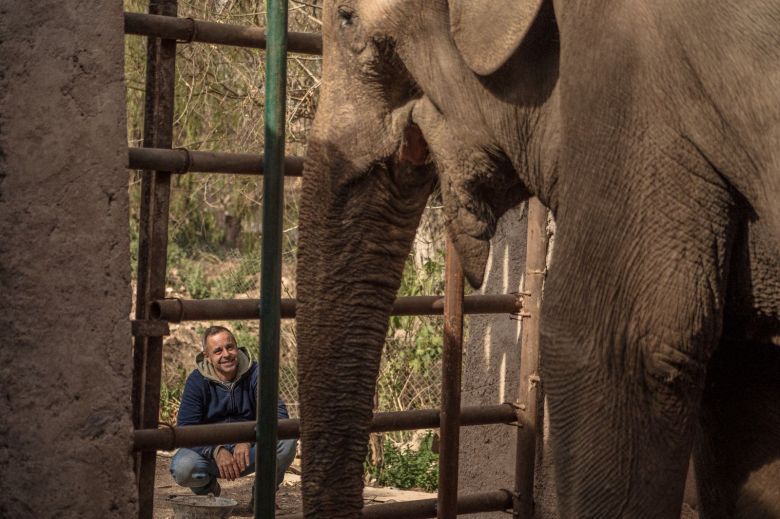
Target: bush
405 467
240 279
195 280
170 397
247 336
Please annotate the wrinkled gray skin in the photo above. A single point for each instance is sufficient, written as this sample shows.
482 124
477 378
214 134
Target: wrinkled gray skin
652 131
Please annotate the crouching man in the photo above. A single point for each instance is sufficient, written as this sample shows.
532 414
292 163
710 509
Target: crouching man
222 389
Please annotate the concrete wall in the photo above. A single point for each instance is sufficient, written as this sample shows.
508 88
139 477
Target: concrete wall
65 360
491 376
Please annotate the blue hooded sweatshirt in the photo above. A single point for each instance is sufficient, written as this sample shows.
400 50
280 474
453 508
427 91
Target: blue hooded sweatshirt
207 400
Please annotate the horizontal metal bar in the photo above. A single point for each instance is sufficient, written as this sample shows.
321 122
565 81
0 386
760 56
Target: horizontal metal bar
493 501
182 160
169 438
187 30
178 310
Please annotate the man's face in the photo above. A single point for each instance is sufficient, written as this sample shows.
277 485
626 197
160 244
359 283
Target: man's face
222 353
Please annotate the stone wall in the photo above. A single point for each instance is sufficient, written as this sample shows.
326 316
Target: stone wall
65 361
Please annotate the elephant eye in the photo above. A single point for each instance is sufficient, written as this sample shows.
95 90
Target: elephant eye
346 16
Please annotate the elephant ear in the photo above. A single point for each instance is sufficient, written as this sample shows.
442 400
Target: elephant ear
488 32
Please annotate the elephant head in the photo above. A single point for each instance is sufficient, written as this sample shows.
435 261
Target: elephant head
401 108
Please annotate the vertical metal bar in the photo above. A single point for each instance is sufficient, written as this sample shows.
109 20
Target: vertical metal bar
529 407
152 246
271 275
451 386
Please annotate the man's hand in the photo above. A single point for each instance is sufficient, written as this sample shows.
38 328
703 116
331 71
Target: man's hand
227 464
241 455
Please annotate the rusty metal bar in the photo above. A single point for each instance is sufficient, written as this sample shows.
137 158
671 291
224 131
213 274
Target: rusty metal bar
169 438
184 161
180 310
452 361
152 246
494 501
187 30
529 401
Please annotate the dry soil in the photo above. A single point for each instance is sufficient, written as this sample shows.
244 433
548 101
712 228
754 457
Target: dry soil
288 498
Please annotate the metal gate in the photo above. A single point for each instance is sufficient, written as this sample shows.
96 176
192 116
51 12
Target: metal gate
159 161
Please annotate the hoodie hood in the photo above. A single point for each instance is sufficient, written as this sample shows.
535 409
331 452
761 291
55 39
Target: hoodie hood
205 368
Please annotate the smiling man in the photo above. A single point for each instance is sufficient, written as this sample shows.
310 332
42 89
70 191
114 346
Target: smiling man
222 389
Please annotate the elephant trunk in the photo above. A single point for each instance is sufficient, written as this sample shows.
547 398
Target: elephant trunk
357 224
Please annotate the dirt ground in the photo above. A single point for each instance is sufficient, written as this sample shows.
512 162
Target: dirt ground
288 498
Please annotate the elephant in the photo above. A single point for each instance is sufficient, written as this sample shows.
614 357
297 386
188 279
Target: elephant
651 131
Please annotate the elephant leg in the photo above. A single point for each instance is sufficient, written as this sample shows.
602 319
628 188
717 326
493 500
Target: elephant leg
737 455
623 373
633 306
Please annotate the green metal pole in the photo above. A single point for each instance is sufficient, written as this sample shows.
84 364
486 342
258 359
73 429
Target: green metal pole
271 274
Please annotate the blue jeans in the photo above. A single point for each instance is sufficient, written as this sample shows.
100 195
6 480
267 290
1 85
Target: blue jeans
190 469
